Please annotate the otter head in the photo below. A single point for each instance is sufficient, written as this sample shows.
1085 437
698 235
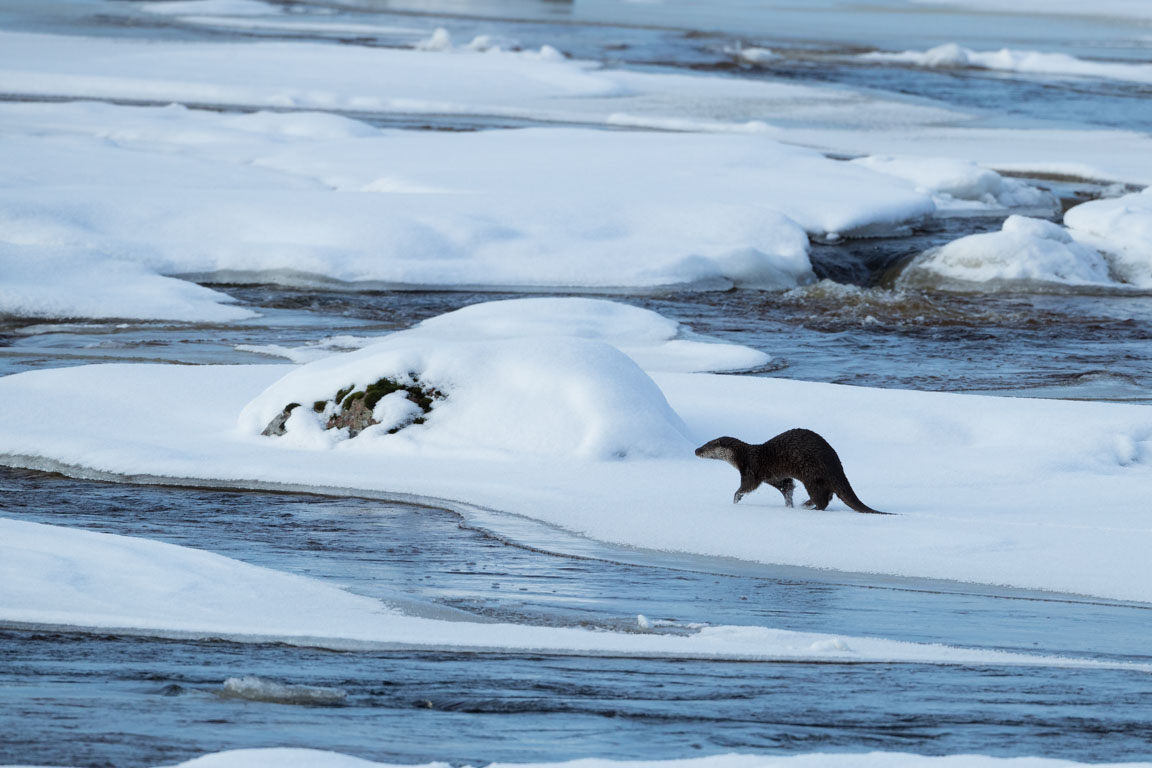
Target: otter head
722 448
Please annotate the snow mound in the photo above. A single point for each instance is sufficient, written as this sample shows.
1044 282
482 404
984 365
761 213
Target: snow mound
1025 253
63 282
1009 60
1122 229
646 336
957 184
652 340
555 396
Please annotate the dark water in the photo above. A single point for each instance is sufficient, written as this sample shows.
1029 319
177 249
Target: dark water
93 699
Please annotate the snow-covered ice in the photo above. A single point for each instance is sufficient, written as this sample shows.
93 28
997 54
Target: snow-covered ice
71 282
310 197
1008 60
308 758
1025 254
654 342
1120 9
52 575
1121 228
961 185
1049 496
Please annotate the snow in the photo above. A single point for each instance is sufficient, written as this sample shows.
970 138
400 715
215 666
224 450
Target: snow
558 397
306 198
1008 60
1050 496
205 7
52 575
654 342
311 758
69 282
1120 9
1105 155
959 184
1026 253
1122 229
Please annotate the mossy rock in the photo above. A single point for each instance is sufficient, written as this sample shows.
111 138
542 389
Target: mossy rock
352 408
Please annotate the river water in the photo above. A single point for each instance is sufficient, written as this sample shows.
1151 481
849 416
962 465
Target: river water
93 699
86 698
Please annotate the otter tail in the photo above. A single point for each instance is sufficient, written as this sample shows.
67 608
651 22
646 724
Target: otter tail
849 497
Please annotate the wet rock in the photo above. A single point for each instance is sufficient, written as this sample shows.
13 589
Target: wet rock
275 427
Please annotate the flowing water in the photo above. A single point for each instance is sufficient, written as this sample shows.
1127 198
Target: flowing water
87 698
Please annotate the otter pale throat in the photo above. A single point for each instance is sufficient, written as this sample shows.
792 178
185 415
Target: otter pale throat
798 454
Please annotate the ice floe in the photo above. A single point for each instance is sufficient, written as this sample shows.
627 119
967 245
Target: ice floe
1122 9
1048 494
57 576
1008 60
70 282
1122 229
655 342
961 185
311 197
1025 254
311 758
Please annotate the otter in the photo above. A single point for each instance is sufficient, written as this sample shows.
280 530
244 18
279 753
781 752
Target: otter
798 453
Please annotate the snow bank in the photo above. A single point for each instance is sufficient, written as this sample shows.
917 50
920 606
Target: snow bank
1050 496
63 282
1122 229
649 338
311 758
958 184
558 397
532 85
1122 9
654 342
51 575
1106 155
305 197
205 7
1008 60
1025 254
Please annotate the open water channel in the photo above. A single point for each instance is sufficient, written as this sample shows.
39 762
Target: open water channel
86 698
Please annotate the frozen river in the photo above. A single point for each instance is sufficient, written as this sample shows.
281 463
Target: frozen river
92 699
96 699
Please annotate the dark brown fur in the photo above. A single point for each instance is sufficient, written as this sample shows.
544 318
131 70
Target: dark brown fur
799 454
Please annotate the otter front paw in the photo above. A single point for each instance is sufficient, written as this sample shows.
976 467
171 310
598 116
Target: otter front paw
737 497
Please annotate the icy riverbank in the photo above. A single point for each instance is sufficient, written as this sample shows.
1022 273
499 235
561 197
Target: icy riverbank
1028 493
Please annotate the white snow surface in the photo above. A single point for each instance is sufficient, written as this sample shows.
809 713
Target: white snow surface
959 184
70 282
1122 229
1025 253
307 197
1051 495
654 342
307 758
205 7
58 576
1009 60
559 397
1120 9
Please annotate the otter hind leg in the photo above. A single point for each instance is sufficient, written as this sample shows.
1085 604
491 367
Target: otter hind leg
785 487
819 494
